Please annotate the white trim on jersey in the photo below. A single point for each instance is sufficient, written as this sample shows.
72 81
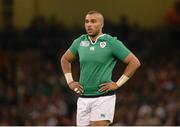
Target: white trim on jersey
95 40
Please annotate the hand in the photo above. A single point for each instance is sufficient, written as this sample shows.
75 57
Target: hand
109 86
76 87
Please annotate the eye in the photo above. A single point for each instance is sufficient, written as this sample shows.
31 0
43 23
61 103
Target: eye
93 20
86 21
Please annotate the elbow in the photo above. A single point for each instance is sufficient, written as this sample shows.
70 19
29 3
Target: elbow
65 60
135 63
62 60
138 63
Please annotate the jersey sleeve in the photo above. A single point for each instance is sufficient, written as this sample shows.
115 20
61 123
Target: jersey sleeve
74 47
119 49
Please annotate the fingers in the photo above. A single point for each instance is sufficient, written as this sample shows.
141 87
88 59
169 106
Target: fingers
104 84
80 87
76 87
109 86
104 87
78 90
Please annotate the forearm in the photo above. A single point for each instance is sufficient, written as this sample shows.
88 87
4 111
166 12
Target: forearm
132 65
66 67
66 61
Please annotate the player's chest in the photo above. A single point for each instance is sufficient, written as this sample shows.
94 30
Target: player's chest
98 52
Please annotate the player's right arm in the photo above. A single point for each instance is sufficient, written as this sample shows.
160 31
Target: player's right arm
66 61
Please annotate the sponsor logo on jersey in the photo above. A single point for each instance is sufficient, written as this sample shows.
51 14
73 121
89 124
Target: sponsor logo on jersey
103 115
84 43
102 44
92 48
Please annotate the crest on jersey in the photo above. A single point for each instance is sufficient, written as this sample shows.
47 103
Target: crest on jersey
102 44
84 43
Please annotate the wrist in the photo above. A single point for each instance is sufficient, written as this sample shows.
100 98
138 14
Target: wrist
69 78
122 80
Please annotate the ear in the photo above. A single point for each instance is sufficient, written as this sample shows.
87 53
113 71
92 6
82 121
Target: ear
102 25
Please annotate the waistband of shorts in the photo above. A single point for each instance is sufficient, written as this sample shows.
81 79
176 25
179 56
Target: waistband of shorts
105 94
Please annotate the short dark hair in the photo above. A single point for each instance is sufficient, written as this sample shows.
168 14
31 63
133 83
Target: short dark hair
94 12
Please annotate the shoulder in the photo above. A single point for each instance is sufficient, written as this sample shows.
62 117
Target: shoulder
114 42
110 39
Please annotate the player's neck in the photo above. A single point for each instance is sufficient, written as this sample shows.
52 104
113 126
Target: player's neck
93 38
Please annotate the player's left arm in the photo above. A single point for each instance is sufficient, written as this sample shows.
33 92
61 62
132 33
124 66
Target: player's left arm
132 65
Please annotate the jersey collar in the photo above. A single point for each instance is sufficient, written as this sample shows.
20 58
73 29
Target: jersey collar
96 39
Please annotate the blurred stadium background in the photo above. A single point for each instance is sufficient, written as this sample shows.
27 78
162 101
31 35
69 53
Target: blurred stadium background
35 33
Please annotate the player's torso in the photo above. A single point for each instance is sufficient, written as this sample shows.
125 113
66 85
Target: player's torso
96 63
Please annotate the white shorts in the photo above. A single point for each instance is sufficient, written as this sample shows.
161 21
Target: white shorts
95 109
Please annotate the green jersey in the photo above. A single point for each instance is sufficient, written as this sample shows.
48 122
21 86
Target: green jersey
97 60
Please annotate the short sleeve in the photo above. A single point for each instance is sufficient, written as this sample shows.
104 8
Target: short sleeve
74 47
119 49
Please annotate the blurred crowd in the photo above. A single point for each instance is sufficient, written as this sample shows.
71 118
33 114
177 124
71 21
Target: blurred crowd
33 90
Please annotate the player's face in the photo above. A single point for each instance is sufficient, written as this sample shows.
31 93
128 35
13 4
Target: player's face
93 24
